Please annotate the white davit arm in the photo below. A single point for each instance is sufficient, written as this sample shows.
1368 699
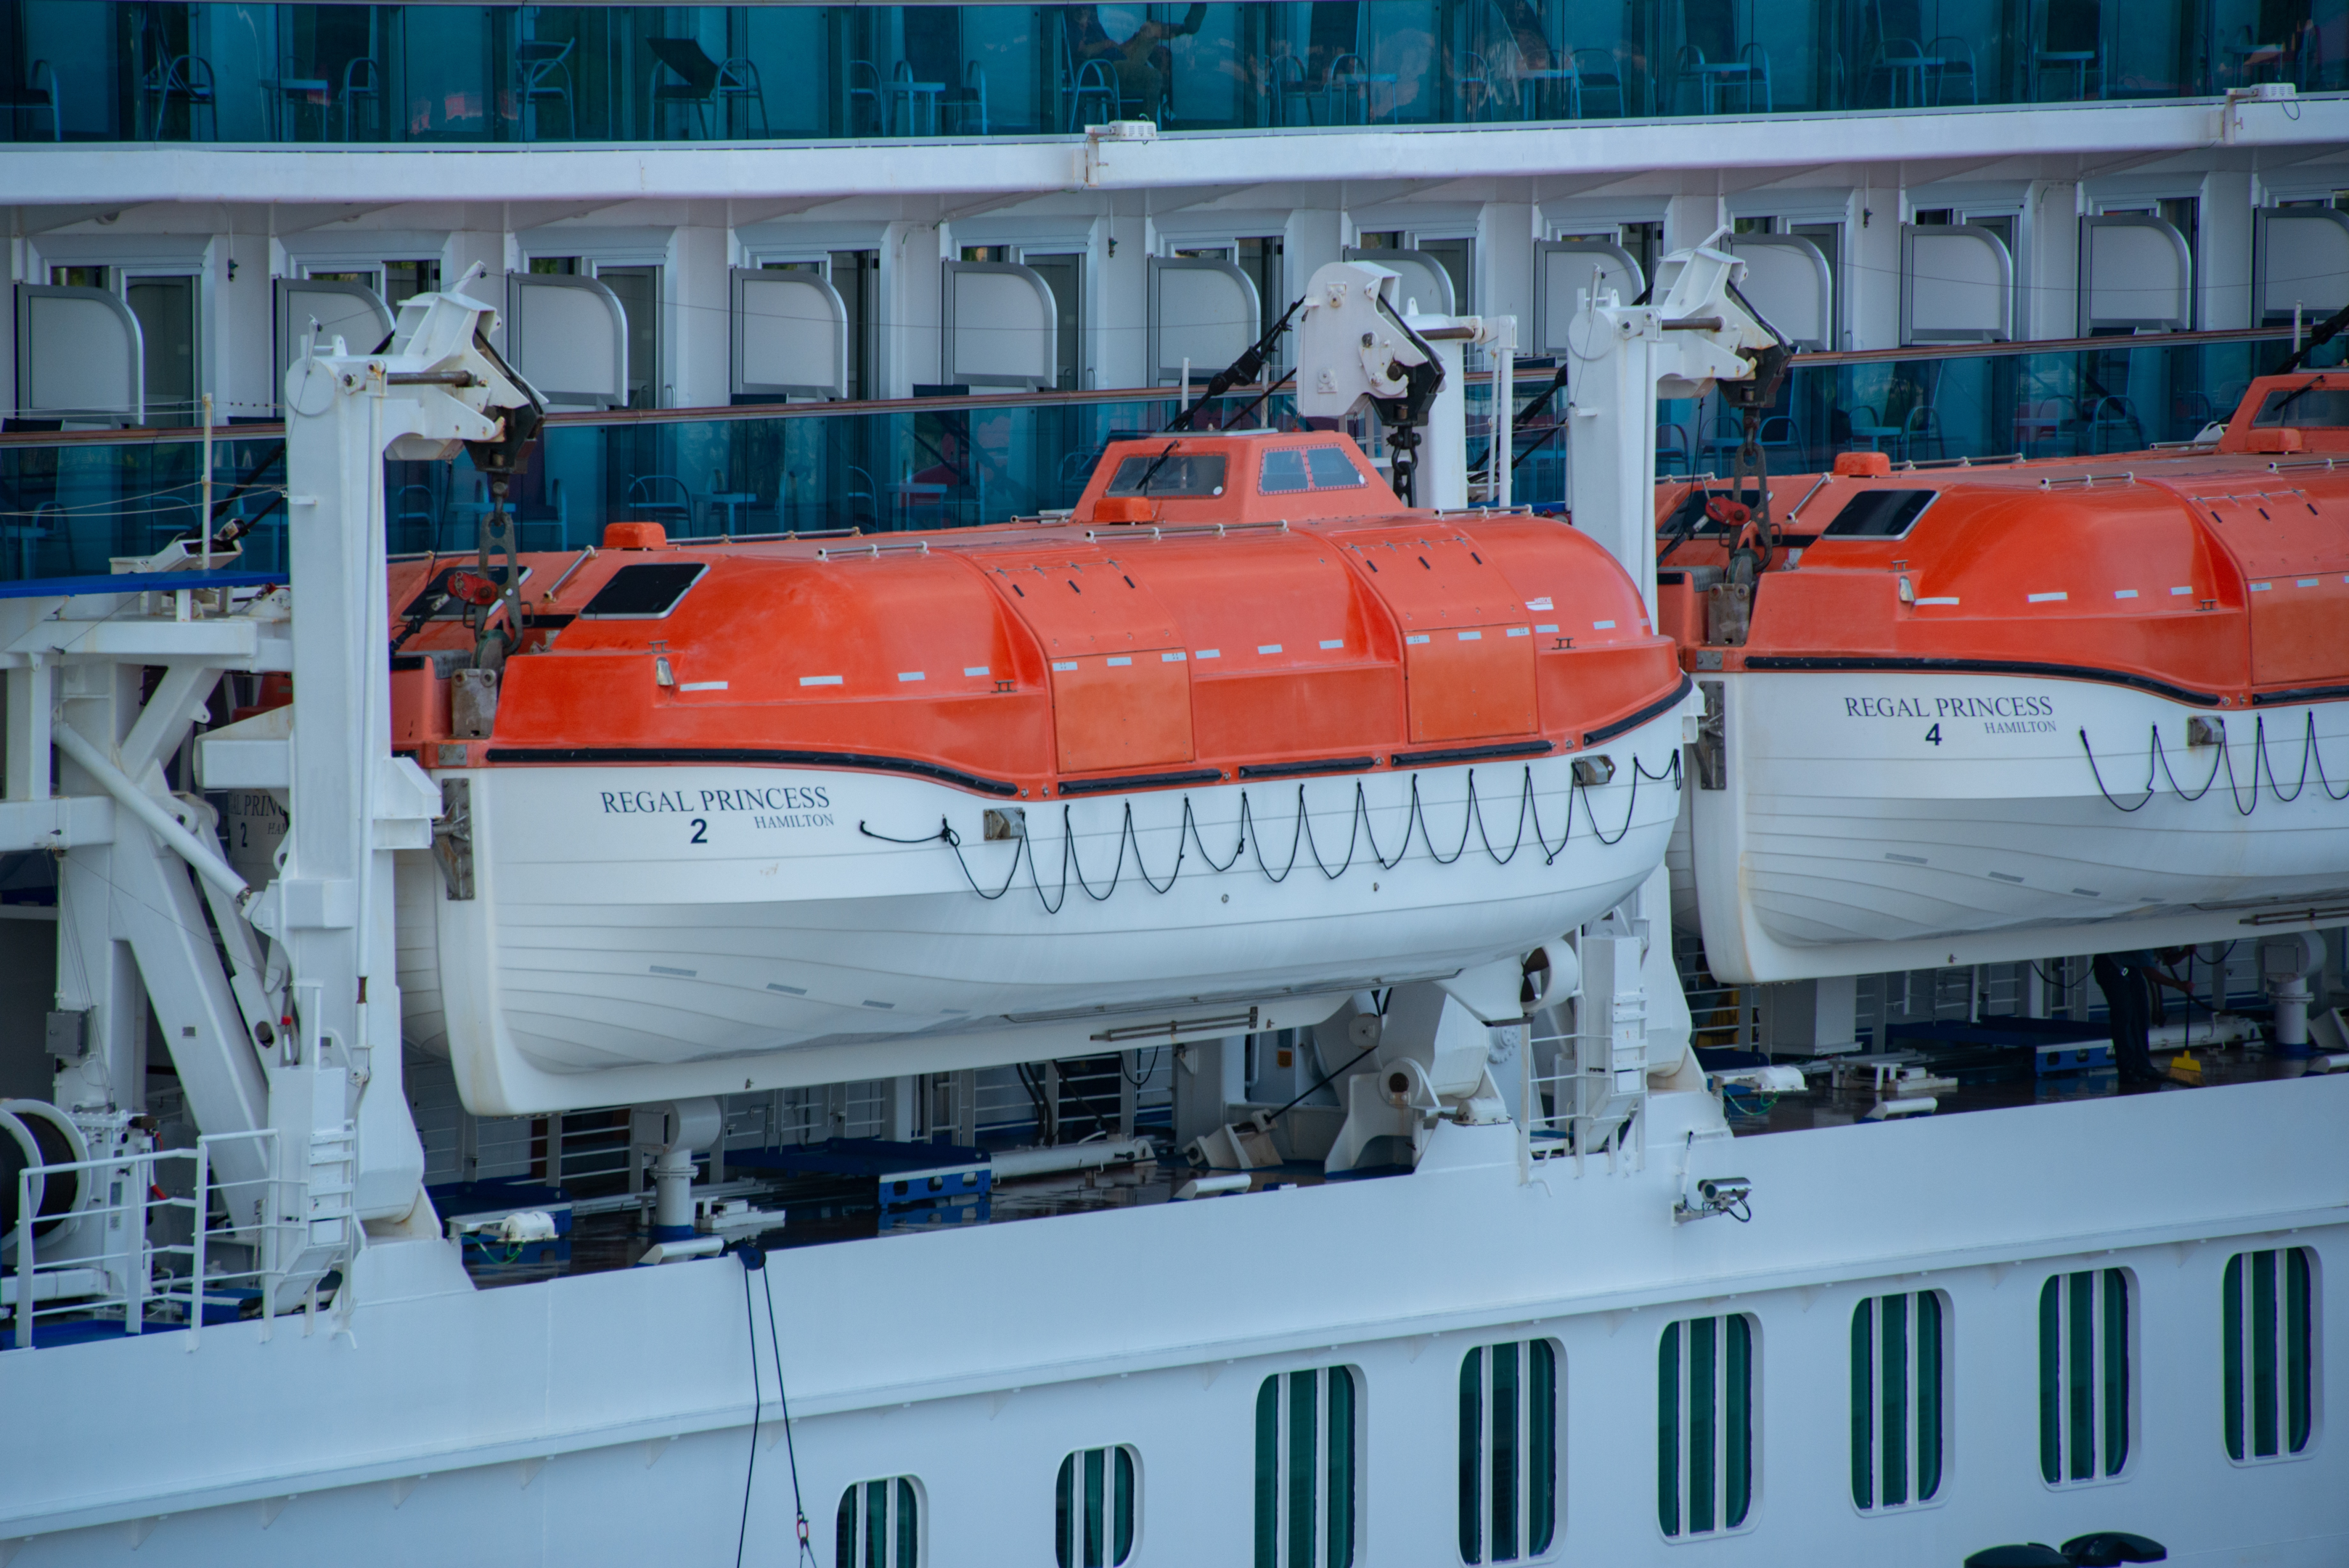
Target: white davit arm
437 384
1625 357
1353 349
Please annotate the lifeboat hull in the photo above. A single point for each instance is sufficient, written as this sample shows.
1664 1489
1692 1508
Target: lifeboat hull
640 932
1868 821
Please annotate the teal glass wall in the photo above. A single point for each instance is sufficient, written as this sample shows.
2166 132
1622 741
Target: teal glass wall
431 73
69 503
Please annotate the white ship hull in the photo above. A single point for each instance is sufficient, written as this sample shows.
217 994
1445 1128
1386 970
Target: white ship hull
607 1418
1873 821
638 933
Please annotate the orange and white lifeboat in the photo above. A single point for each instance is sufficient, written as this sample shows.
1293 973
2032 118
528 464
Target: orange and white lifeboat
1989 712
1238 737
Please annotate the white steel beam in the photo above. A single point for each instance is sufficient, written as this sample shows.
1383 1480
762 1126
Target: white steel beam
69 174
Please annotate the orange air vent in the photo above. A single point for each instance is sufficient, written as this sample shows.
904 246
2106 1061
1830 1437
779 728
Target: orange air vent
2275 441
635 536
1863 464
1123 509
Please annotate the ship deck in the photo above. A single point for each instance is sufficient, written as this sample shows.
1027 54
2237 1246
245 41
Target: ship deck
613 1233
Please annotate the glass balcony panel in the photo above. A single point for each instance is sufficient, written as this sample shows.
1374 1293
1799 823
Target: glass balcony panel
71 502
486 74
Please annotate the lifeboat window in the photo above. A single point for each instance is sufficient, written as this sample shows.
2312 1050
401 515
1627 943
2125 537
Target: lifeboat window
1290 469
1879 514
2310 406
1333 470
644 593
1283 472
1180 474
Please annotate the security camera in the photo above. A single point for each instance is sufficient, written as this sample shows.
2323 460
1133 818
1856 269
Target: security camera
1724 1191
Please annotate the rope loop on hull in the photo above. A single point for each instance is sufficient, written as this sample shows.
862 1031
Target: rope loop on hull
2158 765
1359 834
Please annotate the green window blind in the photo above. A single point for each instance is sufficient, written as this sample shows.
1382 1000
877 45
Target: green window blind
2083 1375
1704 1426
1305 1470
1093 1508
2266 1328
1508 1451
879 1525
1896 1399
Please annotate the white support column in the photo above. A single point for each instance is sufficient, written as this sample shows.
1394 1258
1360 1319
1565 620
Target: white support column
1870 275
2223 272
1444 455
912 305
699 325
483 243
1504 261
2048 269
1672 1065
1121 318
336 891
97 973
11 273
243 371
31 696
1611 436
1691 220
1313 238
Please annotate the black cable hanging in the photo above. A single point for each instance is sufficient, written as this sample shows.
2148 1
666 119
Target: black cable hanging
783 1398
2158 765
753 1260
1302 838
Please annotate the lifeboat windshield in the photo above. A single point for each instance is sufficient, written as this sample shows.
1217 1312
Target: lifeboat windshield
2312 405
2281 414
1170 474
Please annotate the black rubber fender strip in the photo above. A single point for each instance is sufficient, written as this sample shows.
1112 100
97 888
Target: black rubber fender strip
1623 726
1316 765
2299 695
1474 753
1139 781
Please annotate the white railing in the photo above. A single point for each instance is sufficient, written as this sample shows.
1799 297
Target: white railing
1583 1107
111 1267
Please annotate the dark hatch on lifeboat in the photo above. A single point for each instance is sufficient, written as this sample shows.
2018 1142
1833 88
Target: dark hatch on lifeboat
646 592
1879 514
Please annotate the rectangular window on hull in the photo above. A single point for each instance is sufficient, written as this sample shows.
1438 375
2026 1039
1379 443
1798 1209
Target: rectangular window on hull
2266 1301
879 1525
1305 1463
1093 1509
1508 1451
1704 1425
2083 1375
1896 1399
